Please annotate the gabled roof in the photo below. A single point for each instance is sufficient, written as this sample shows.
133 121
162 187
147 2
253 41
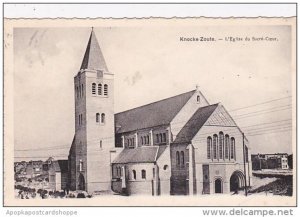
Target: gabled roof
144 154
93 57
194 124
154 114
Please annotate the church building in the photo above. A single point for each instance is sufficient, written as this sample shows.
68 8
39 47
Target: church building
182 145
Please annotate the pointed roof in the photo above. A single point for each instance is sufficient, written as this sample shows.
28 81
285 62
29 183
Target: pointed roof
191 128
93 57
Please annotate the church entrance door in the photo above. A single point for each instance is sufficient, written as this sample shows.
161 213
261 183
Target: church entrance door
81 185
218 186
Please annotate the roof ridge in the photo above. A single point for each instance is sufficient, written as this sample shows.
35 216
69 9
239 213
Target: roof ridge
155 102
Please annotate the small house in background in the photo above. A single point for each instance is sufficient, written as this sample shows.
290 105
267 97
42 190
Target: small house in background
290 161
58 174
270 161
53 172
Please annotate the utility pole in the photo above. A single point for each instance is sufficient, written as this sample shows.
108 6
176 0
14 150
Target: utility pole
244 164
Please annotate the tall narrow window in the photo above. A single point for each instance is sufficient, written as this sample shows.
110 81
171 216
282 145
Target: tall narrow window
82 93
148 139
80 119
177 158
102 118
97 117
164 137
143 174
80 165
99 89
221 144
157 138
246 154
209 147
105 89
142 140
227 147
232 148
134 174
118 171
77 92
131 143
215 142
160 138
101 144
182 158
93 88
198 99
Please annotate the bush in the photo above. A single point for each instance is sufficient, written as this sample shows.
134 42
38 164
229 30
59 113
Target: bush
80 195
18 179
62 194
39 191
71 195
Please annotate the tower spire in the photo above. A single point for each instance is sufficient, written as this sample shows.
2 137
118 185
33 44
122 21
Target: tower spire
93 58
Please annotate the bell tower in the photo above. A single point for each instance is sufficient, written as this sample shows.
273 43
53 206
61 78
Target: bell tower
89 157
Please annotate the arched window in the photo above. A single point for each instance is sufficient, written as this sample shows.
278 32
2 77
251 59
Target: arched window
161 137
221 144
80 165
134 174
97 117
105 89
232 148
215 142
227 147
99 89
198 98
93 88
209 147
182 158
143 174
164 137
246 154
177 158
102 118
121 171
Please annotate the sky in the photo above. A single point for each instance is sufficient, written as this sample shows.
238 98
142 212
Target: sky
151 63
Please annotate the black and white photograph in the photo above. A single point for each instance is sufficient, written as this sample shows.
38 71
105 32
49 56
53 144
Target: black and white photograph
196 112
